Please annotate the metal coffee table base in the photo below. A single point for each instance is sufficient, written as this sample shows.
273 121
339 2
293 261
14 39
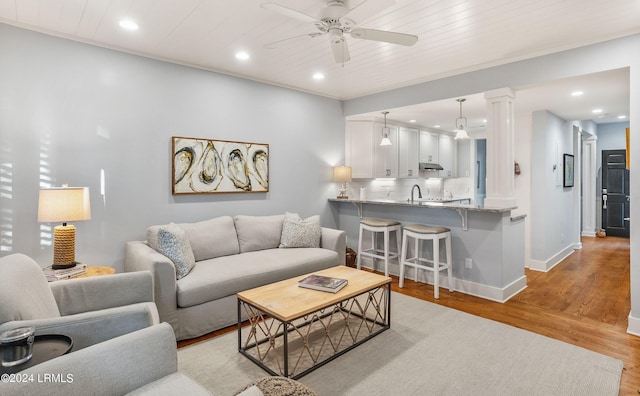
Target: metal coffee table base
293 349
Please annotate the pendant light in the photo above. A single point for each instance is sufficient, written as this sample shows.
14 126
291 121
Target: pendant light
461 128
385 132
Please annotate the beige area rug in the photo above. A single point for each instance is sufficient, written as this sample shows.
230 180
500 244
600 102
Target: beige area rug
429 350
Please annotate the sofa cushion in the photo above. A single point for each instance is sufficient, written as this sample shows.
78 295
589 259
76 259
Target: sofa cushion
212 238
225 276
299 233
258 232
171 241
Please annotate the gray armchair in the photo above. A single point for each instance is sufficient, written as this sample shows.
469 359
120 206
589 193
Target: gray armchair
89 310
140 363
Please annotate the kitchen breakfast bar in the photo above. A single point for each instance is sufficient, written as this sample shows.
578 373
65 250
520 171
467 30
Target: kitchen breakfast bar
487 243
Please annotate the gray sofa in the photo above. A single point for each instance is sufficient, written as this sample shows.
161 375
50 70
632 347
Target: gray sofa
231 254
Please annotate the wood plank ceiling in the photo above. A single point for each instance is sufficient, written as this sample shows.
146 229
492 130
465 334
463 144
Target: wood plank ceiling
455 36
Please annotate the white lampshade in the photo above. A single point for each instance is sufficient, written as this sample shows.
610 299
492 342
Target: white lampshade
64 204
342 174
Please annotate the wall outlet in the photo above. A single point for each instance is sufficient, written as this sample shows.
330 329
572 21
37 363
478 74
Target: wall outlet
468 264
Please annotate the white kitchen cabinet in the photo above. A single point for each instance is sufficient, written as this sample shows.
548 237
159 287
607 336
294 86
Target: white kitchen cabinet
447 155
429 147
386 157
359 149
408 152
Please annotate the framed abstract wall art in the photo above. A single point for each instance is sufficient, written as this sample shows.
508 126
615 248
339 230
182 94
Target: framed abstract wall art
568 170
207 166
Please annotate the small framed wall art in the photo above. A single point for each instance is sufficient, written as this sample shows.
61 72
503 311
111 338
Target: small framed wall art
568 170
207 166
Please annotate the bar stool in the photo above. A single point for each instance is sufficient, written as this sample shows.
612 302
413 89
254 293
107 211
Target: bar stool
427 233
375 226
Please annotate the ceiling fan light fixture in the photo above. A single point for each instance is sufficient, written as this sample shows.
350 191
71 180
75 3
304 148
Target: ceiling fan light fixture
335 22
385 132
461 122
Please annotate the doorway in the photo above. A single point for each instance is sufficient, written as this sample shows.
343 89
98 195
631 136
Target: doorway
615 193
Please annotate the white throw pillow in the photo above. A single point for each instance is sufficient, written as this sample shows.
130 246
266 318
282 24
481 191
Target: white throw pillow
173 243
299 233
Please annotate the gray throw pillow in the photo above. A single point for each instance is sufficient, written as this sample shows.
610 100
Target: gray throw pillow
173 243
258 232
299 233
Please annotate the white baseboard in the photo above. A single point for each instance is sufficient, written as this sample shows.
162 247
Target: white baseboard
491 292
463 286
545 266
589 234
634 326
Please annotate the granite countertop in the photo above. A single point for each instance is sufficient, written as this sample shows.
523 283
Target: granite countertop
452 203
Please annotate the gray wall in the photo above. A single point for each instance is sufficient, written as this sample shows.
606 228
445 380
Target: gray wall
610 137
551 215
69 111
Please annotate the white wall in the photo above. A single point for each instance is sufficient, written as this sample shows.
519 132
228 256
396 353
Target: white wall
69 111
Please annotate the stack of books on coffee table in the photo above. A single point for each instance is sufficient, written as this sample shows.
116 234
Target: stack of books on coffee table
57 274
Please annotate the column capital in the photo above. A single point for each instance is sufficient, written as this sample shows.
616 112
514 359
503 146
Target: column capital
500 92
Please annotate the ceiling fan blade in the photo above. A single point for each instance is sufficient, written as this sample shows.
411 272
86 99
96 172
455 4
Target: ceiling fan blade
340 49
382 35
289 12
276 44
363 10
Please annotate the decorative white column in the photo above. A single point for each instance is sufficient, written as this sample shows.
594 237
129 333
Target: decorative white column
589 171
577 185
500 140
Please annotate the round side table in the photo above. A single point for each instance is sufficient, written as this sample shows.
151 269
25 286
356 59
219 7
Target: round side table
97 270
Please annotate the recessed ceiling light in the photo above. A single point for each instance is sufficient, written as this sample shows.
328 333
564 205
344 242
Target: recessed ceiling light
436 126
412 121
318 76
128 24
241 55
596 111
577 93
622 117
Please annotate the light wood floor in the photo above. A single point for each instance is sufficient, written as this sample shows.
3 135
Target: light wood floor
585 301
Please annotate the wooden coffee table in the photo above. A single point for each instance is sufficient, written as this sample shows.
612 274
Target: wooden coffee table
293 330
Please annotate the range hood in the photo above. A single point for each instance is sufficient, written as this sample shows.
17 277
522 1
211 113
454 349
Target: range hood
430 166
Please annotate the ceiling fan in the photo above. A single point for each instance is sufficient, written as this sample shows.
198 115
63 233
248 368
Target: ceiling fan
335 22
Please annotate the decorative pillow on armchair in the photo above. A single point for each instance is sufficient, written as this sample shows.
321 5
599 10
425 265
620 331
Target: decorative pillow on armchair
172 242
299 233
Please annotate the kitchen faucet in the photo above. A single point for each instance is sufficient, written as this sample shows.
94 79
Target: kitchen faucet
419 192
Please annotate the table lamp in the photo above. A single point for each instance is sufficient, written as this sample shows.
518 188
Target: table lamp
342 174
64 204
